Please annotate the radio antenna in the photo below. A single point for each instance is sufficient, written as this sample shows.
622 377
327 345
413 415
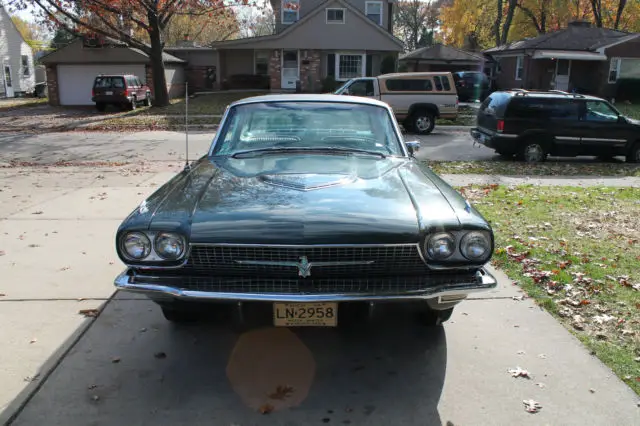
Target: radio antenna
186 122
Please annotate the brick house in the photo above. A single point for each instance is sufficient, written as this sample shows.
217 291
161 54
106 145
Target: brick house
314 39
588 59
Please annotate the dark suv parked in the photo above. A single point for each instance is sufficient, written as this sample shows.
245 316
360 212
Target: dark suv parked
532 125
472 85
124 90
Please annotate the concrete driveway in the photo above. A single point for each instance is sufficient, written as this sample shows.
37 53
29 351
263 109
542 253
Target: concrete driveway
129 366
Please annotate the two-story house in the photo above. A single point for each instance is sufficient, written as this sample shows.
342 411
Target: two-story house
315 39
17 75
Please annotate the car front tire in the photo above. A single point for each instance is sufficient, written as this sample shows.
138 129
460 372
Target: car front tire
433 317
147 100
423 122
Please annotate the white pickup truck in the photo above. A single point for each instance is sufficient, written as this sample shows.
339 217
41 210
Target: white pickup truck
417 98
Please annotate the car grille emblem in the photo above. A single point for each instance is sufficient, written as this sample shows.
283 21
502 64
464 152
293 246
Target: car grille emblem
304 266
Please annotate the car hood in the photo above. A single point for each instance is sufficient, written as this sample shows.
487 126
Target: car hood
302 199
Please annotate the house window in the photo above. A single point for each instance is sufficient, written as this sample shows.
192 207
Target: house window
26 71
290 11
261 62
614 69
373 10
349 66
335 16
519 67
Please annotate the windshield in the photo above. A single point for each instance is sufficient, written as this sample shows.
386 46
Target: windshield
301 125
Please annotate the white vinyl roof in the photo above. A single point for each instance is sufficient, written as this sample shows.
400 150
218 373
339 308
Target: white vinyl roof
569 54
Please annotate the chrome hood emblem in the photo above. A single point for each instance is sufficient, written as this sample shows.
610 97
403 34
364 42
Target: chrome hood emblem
304 266
307 182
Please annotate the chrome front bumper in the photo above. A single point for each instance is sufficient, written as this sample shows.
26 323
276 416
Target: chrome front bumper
485 282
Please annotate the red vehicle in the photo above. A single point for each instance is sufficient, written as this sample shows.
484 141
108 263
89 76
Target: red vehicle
123 90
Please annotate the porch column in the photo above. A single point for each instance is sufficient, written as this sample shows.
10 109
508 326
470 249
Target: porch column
52 85
310 79
275 70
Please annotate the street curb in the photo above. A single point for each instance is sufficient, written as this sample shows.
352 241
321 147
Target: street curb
17 405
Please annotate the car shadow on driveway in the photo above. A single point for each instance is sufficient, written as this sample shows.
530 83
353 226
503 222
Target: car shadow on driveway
134 367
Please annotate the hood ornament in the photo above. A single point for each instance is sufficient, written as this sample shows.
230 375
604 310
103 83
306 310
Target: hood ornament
304 266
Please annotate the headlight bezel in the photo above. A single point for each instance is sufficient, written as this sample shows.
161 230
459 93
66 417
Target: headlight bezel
458 258
175 235
125 252
437 236
473 234
153 257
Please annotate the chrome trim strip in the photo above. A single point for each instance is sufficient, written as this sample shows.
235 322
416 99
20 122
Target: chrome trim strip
506 135
303 245
223 121
567 138
122 282
603 140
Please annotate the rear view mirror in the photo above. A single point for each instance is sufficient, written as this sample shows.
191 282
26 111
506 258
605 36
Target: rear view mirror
412 146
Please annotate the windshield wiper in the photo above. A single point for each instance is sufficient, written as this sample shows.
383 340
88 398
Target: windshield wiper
255 152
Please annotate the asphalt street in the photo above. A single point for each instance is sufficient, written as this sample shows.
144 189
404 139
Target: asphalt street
60 365
442 144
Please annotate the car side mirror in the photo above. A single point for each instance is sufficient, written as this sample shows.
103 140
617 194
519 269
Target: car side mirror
412 147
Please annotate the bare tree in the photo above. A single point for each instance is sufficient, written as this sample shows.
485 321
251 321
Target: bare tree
412 18
539 17
500 29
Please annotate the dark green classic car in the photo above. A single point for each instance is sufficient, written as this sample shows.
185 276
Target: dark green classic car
305 202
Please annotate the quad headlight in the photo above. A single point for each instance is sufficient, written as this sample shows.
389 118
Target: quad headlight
136 245
475 246
152 246
441 246
169 246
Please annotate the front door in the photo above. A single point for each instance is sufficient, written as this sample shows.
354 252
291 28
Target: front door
563 71
8 83
604 134
290 69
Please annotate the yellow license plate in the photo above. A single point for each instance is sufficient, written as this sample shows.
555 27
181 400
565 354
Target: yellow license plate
317 314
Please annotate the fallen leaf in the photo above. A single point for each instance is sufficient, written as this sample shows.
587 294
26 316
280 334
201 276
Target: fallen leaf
281 392
592 390
160 355
521 352
92 387
65 268
90 313
95 397
519 372
578 322
265 409
2 253
542 356
541 385
30 379
115 360
33 340
531 406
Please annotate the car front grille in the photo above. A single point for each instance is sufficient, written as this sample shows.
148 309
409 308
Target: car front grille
288 262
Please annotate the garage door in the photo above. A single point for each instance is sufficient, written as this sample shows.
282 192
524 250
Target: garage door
76 81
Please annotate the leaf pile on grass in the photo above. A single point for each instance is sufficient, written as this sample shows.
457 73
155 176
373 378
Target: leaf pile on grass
549 168
576 252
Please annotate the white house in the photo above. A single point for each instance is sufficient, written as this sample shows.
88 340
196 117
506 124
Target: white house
17 74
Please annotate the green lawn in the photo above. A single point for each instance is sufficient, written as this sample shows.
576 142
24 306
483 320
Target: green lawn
212 104
576 252
548 168
632 111
18 103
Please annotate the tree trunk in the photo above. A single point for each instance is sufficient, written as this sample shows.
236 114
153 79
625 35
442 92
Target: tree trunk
621 5
498 24
160 93
511 8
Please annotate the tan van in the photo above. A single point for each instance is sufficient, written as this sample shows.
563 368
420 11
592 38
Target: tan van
417 98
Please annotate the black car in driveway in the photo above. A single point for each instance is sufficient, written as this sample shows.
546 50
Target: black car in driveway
533 125
472 85
306 202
